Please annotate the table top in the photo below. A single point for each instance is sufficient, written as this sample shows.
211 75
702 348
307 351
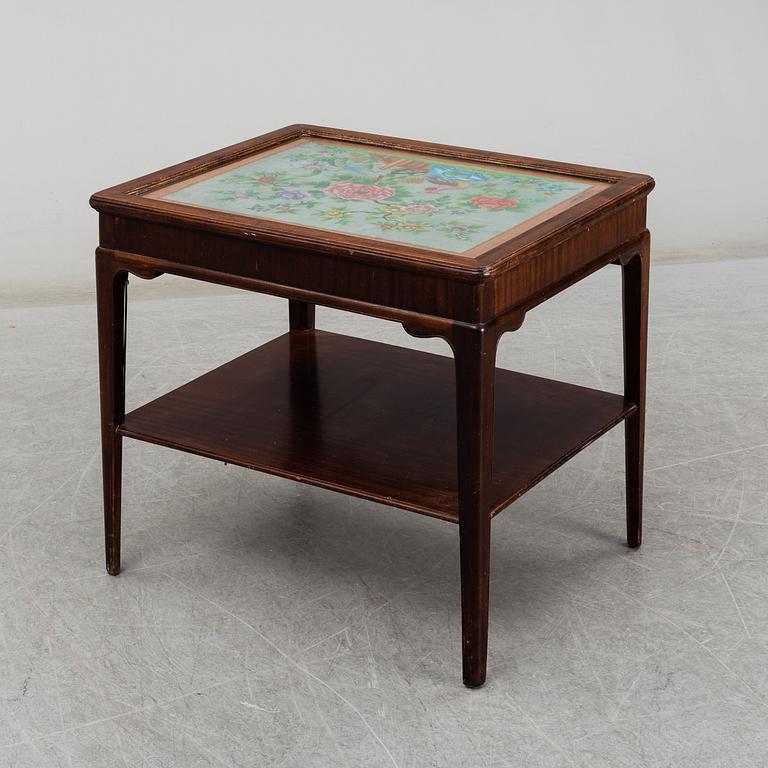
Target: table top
312 186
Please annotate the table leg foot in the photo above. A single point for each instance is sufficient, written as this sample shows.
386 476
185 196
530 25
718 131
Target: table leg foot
633 436
475 571
112 468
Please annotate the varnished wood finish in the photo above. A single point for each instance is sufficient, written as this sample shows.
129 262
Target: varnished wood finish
635 273
383 423
475 360
111 284
379 422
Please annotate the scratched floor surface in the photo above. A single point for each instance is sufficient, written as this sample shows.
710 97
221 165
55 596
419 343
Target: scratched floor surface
258 622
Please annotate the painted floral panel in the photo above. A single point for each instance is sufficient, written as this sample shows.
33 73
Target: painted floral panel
415 199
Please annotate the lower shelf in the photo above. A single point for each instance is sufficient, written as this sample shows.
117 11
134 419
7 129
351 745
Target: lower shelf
371 420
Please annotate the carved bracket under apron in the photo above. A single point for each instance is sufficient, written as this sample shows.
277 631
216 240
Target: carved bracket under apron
509 321
145 273
632 250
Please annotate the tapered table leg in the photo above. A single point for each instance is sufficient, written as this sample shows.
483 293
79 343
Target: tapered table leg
301 315
111 286
475 352
635 274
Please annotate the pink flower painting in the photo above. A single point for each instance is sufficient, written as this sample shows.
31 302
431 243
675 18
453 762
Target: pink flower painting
347 190
494 201
423 200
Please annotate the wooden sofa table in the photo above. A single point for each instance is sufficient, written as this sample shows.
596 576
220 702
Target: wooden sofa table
451 242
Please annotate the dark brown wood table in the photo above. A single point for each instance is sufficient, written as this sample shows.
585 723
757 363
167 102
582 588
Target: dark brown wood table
451 242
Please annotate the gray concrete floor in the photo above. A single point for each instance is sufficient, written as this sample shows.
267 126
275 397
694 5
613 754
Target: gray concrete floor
259 622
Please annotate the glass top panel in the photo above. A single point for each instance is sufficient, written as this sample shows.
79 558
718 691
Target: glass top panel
421 200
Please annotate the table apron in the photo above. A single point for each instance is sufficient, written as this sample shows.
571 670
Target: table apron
148 249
